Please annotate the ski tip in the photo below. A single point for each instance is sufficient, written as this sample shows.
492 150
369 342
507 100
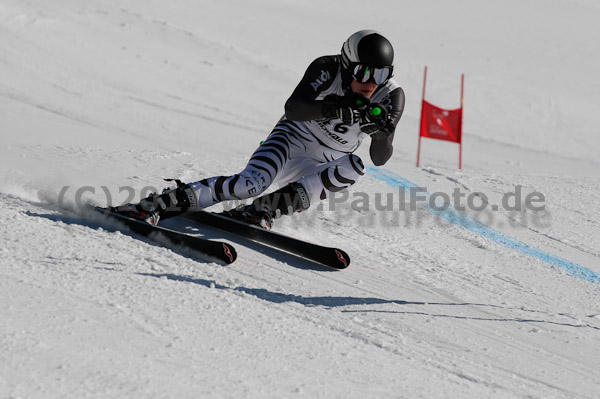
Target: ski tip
230 254
343 260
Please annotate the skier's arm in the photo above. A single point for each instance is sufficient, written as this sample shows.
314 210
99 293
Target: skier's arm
302 104
381 145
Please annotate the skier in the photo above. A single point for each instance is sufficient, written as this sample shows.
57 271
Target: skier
340 100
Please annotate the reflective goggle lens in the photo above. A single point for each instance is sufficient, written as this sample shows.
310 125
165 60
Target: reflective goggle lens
364 73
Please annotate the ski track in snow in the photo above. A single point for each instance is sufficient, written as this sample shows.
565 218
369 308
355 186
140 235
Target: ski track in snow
357 306
112 97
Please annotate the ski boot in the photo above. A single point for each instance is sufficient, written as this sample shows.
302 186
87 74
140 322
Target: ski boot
263 210
172 202
249 214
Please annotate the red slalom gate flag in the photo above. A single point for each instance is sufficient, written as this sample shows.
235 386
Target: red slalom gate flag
442 124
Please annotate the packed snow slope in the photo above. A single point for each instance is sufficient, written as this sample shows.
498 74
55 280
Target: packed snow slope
104 98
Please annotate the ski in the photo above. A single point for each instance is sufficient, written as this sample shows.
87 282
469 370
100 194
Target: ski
214 249
328 256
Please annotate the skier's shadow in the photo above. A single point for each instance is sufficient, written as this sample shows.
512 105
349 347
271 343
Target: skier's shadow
277 297
334 302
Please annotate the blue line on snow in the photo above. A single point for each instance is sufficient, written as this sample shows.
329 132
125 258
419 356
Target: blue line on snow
453 216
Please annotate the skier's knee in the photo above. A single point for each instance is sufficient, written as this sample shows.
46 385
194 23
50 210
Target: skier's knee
357 164
250 183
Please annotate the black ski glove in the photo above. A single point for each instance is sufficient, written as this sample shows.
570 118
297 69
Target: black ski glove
375 119
348 108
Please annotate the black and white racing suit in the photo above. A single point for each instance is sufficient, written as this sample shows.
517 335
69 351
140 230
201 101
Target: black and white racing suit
305 147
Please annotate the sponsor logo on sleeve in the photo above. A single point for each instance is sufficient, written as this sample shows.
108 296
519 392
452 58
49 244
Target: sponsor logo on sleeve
324 77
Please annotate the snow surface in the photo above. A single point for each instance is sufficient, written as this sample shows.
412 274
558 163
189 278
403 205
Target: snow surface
105 94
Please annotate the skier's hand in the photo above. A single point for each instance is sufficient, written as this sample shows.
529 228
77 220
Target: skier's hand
348 108
375 119
355 101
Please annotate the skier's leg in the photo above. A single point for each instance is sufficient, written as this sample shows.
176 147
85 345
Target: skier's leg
332 177
318 183
262 169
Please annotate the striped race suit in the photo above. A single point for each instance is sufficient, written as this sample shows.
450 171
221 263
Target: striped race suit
307 148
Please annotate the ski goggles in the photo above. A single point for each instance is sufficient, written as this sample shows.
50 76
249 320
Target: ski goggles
363 73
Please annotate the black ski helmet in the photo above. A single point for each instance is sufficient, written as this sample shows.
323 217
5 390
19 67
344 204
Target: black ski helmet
367 47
